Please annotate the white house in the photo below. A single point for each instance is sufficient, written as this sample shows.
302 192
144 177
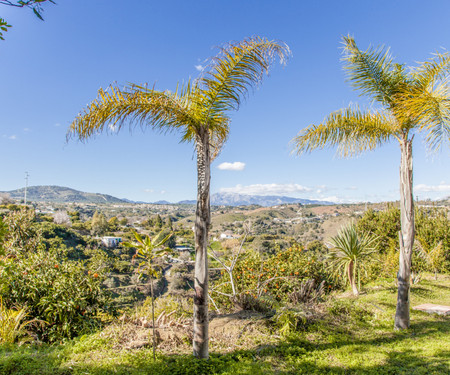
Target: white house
111 241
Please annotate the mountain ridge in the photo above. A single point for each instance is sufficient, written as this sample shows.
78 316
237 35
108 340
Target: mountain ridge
61 194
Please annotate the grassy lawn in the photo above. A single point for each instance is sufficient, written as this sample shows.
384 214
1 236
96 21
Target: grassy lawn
350 336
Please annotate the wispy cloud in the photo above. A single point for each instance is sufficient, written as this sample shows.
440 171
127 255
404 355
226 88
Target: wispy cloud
13 137
57 124
149 190
199 67
267 189
441 188
236 166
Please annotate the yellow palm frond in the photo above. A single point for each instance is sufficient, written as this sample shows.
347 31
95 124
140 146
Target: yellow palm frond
426 102
236 69
137 105
350 129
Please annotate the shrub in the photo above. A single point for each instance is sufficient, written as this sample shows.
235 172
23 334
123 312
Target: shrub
278 276
62 293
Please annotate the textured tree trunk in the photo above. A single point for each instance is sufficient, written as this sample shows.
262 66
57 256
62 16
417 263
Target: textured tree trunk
406 234
153 312
352 278
202 222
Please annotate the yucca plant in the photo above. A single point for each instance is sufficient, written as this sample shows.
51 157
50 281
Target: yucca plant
349 250
13 326
411 100
199 111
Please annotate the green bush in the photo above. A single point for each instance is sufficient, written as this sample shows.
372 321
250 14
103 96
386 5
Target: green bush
277 277
60 292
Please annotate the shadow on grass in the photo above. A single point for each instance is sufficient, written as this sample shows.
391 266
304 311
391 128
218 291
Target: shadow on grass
294 356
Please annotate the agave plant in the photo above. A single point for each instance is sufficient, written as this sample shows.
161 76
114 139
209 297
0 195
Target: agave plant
349 250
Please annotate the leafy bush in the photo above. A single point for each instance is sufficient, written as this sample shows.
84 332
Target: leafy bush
62 293
432 232
278 276
288 320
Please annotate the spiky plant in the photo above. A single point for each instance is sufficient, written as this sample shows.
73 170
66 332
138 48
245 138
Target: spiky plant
199 111
13 326
410 100
349 250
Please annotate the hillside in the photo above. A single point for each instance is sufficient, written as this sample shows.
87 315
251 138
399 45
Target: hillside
61 194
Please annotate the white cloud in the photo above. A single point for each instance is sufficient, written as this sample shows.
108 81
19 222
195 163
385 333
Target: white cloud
441 188
267 189
236 166
13 137
57 124
163 192
26 130
149 190
199 67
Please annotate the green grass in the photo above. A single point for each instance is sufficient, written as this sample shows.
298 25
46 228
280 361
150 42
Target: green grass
351 336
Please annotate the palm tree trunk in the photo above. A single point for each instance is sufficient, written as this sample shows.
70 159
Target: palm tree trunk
202 222
406 234
153 313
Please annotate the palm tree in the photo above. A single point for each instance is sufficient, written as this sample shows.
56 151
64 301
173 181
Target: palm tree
349 250
198 110
411 100
148 250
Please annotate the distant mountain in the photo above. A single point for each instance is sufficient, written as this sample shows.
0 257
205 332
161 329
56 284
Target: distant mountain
233 199
162 202
61 194
66 195
188 202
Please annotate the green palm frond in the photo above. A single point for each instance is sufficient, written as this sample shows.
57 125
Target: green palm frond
371 71
351 130
138 105
236 69
350 246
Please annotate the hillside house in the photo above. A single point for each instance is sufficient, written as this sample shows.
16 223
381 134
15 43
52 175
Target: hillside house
111 242
228 235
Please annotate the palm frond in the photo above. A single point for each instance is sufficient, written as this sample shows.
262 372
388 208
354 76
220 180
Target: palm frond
137 105
431 71
236 69
372 71
350 246
430 111
351 130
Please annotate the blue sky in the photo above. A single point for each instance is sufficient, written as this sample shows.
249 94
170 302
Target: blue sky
50 70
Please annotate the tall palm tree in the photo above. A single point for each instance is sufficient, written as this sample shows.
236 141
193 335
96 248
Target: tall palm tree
198 110
411 100
348 252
